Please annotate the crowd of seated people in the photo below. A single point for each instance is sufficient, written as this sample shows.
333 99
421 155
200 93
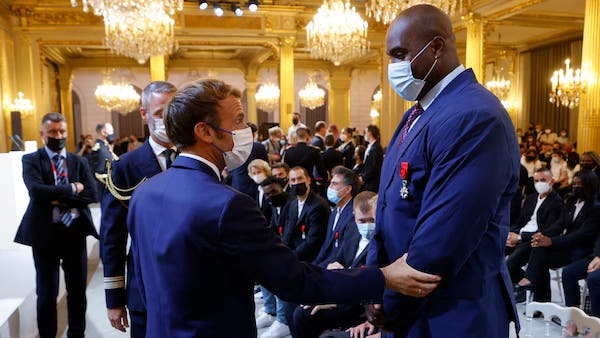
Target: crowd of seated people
558 222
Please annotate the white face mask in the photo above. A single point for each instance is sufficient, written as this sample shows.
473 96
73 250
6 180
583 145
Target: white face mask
242 147
402 80
366 229
259 178
542 187
157 128
343 137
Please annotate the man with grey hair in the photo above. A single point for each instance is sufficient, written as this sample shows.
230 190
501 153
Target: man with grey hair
274 144
153 157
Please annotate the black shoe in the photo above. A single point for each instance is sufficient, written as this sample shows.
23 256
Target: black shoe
520 296
518 288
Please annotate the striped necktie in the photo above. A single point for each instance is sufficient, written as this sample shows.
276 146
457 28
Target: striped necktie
416 112
66 217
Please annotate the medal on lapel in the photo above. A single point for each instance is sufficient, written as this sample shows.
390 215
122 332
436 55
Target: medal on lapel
280 230
303 229
404 193
337 237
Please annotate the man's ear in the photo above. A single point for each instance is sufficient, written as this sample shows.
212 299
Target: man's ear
204 132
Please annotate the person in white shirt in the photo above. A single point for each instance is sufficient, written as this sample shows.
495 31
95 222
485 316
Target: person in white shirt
295 125
558 167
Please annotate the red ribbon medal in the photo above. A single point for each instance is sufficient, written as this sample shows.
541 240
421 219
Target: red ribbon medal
303 229
337 237
404 193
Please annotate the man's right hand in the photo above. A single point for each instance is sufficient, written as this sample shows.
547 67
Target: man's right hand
512 240
401 277
118 318
79 186
594 264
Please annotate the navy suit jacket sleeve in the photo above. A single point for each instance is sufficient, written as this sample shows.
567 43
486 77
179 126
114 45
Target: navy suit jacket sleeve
256 251
38 189
461 196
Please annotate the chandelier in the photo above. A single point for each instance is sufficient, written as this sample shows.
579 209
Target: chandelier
136 29
311 96
118 97
337 33
567 86
22 105
386 10
499 87
267 97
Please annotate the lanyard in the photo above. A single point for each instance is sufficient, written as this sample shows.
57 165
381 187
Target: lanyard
56 173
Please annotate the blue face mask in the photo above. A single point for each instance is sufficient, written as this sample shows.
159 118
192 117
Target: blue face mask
332 195
366 229
402 80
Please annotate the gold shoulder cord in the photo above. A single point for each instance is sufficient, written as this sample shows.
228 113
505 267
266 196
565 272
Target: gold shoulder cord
117 192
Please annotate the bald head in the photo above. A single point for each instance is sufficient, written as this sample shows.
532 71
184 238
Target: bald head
427 30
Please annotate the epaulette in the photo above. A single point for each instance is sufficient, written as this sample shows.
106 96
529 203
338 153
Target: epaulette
121 194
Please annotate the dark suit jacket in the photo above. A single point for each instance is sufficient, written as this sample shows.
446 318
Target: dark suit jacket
307 157
239 179
348 155
577 234
547 214
371 170
463 161
36 228
317 142
330 248
347 253
131 168
331 158
99 157
314 219
212 249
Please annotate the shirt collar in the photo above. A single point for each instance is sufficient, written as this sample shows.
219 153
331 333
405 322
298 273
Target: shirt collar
62 152
205 161
157 149
437 89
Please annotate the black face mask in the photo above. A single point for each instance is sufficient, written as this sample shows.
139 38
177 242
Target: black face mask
578 192
295 121
530 158
56 144
110 138
278 200
587 166
298 189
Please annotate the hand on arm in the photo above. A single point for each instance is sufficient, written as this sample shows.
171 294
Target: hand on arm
402 278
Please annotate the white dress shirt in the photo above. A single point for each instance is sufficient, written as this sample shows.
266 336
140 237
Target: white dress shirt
532 225
158 151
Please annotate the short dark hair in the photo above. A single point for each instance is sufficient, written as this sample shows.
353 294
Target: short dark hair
156 87
196 102
302 133
100 126
348 176
320 125
271 180
283 165
374 130
302 169
53 117
362 201
329 140
252 126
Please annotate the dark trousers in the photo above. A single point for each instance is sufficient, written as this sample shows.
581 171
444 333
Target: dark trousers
593 283
310 326
138 323
72 255
540 260
571 275
517 259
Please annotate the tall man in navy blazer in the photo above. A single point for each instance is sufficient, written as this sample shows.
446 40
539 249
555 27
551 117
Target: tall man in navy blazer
56 223
191 233
153 157
446 187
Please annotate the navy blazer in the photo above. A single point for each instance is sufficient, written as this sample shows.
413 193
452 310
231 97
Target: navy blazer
210 248
313 218
127 172
371 169
330 248
239 179
577 234
332 158
318 143
347 253
348 155
463 170
36 228
309 158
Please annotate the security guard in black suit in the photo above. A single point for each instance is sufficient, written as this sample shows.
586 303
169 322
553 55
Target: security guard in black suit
307 157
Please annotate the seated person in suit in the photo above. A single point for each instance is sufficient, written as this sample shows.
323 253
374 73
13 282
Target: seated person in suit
304 231
258 171
344 186
570 239
281 171
331 156
310 321
539 212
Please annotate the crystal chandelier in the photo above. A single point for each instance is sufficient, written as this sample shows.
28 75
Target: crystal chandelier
337 33
118 97
267 97
22 105
311 96
137 29
567 86
500 87
386 10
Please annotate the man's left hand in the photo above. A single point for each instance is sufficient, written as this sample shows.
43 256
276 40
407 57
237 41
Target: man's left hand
316 308
402 278
539 240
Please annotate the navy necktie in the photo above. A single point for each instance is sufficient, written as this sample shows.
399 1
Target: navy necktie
168 153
